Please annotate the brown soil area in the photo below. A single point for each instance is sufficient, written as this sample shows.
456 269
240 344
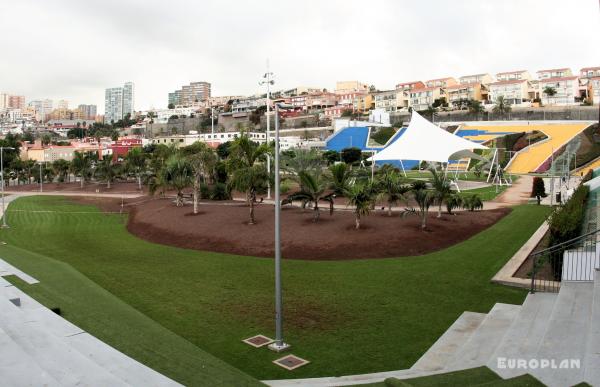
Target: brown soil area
223 227
90 187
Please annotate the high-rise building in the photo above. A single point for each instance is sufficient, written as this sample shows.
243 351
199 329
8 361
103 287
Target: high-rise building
88 112
189 94
63 104
16 101
3 100
118 102
42 108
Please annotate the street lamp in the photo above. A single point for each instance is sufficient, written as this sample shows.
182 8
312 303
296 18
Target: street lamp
41 177
268 80
212 120
2 148
278 345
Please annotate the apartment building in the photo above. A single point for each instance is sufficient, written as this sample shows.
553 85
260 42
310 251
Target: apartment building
346 100
457 94
348 87
513 75
386 100
589 72
515 91
554 73
566 88
62 104
334 111
299 90
118 102
16 102
190 94
42 108
484 79
441 82
421 99
51 153
88 112
363 102
403 93
595 89
213 140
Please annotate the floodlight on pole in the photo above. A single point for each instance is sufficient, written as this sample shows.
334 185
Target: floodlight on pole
268 80
278 345
2 148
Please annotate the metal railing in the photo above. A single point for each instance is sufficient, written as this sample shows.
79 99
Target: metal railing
573 260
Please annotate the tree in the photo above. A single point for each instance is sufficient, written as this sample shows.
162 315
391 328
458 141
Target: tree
351 155
82 165
424 200
502 106
298 160
331 156
170 106
46 139
135 162
107 170
248 175
549 91
177 174
340 178
360 196
538 189
223 150
202 160
390 187
313 188
441 189
61 168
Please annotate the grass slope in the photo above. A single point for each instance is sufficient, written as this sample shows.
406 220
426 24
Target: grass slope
346 317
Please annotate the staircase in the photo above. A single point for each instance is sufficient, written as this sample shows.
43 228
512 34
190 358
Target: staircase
40 348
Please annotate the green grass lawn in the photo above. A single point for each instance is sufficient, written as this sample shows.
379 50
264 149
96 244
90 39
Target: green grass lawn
345 317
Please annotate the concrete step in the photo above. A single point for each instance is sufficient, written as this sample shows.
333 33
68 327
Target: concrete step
566 335
483 342
523 338
67 366
18 369
592 361
442 351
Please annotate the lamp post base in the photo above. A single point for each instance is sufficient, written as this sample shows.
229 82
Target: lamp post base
279 347
4 226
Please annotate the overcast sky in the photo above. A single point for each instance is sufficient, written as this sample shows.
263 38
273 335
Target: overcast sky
74 49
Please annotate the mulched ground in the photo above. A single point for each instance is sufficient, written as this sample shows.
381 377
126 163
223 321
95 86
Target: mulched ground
90 187
223 227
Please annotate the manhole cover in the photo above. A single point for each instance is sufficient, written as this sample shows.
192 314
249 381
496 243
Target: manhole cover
258 341
291 362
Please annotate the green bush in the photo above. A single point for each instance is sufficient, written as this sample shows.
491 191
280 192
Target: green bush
220 191
204 191
566 221
383 135
538 188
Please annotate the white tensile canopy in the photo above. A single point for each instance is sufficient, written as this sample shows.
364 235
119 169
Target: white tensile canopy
423 140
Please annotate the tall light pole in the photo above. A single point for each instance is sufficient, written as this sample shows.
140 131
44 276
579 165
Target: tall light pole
41 178
268 80
2 148
212 120
279 345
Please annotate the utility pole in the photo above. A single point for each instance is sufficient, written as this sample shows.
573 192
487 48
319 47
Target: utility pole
268 80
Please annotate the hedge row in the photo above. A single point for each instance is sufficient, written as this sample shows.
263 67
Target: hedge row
566 221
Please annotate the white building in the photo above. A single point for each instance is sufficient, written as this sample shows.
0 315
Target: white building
386 100
566 88
554 73
162 115
515 92
421 99
212 139
118 102
513 75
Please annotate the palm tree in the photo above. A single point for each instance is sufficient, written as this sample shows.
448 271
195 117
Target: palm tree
361 196
424 198
82 165
389 184
453 201
107 170
475 106
61 167
473 203
251 180
441 189
177 174
135 161
502 106
313 188
302 160
340 178
203 162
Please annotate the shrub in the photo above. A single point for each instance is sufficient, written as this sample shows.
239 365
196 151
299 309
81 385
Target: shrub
472 203
566 221
351 155
220 191
538 189
204 191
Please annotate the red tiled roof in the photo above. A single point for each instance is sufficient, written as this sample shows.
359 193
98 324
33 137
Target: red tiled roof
416 90
408 83
439 79
512 72
590 68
